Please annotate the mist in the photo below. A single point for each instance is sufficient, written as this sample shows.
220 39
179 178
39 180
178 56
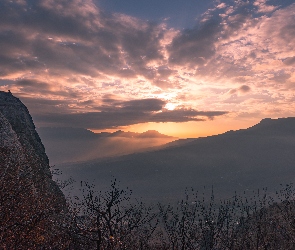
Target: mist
78 145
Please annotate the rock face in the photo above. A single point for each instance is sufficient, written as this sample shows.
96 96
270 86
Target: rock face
17 115
32 207
18 131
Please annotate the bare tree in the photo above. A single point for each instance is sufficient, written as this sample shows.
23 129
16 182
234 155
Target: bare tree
109 219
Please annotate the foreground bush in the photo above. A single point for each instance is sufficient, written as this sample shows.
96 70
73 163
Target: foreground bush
112 221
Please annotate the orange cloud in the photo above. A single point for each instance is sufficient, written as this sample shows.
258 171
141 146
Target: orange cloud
69 56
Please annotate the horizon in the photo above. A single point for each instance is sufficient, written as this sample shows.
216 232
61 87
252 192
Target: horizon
186 70
114 131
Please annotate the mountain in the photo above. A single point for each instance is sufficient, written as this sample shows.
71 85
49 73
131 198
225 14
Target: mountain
153 134
79 144
147 134
31 203
243 160
76 133
272 127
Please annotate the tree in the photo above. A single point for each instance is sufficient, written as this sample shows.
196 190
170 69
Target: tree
110 221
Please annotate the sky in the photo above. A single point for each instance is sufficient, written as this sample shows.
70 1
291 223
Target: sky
184 68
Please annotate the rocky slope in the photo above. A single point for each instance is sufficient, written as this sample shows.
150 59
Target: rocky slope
32 207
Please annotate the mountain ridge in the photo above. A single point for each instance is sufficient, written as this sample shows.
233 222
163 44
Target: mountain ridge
237 160
67 132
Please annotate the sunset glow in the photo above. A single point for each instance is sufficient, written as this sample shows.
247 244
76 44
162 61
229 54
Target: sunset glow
79 64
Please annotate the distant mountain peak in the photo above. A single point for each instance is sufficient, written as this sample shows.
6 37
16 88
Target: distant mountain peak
128 134
153 134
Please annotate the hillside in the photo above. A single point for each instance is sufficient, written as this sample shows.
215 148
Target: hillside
238 160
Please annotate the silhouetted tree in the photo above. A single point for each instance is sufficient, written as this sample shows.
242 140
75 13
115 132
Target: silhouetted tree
110 221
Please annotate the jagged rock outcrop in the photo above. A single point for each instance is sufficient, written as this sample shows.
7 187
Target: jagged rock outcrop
19 133
17 114
32 207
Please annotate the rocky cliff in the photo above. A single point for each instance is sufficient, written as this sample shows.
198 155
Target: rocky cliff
32 207
18 133
21 123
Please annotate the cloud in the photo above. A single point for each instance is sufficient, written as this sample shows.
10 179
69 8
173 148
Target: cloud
120 114
145 105
289 60
280 77
263 7
251 46
75 37
110 104
90 61
194 46
242 90
32 83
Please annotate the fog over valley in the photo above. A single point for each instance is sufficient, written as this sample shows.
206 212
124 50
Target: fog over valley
74 144
244 160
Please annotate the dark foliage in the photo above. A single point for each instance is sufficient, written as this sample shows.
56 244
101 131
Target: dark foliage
111 220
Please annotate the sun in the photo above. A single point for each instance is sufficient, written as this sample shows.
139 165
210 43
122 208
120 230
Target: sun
170 106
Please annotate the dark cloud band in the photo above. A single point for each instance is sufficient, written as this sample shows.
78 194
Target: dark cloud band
127 113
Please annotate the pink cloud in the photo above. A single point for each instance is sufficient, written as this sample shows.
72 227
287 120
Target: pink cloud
263 7
67 50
